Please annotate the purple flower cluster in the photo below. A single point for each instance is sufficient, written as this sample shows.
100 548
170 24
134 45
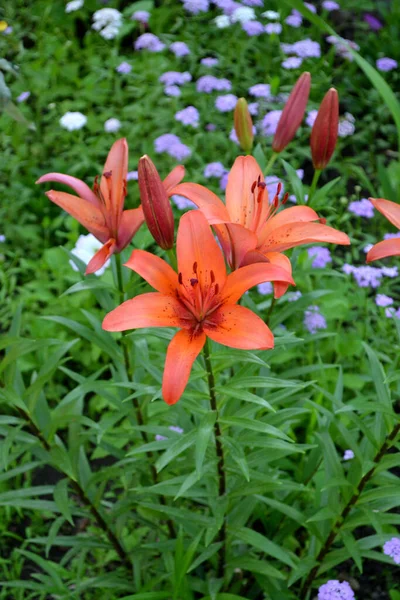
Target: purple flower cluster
188 116
265 288
293 296
124 68
172 145
392 549
161 438
330 5
383 300
272 183
293 62
175 78
321 257
179 49
196 6
209 61
342 46
314 320
253 2
348 455
214 169
142 16
334 590
273 28
182 203
132 176
270 122
23 96
303 49
294 19
386 64
253 28
365 275
172 90
226 103
362 208
373 22
209 83
149 41
261 90
234 138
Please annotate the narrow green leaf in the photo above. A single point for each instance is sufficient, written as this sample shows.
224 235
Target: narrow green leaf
260 542
62 500
203 437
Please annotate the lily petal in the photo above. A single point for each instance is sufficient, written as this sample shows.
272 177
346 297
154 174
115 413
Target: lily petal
147 310
236 242
131 220
210 205
158 273
244 278
199 256
391 210
101 257
117 164
181 354
280 260
85 213
238 327
383 249
295 214
76 184
295 234
240 200
173 178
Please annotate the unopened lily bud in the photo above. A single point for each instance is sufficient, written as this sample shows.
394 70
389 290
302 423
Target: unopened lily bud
293 113
156 206
324 133
243 125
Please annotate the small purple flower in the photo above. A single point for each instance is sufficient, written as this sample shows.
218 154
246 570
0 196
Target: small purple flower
293 62
391 236
390 312
179 49
294 20
124 68
386 64
383 300
348 455
260 90
346 125
226 103
160 438
112 125
365 275
310 7
175 78
373 22
172 90
209 83
270 122
8 30
392 549
253 108
300 173
223 182
196 6
234 138
334 590
253 2
390 271
362 208
182 203
273 28
287 48
149 41
172 145
209 61
321 256
142 16
311 116
314 320
23 96
228 6
367 248
272 183
188 116
2 238
211 127
132 176
293 296
307 49
214 169
253 28
176 429
179 151
330 5
265 288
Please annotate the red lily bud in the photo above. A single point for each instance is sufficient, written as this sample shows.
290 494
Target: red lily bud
156 206
324 133
293 113
243 125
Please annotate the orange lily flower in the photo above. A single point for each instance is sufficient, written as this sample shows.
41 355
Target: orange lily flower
391 211
201 299
101 210
250 228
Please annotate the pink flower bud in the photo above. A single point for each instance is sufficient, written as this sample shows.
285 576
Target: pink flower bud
324 133
293 113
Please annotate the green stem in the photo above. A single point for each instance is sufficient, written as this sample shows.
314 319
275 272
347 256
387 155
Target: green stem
313 187
346 511
172 258
98 517
270 163
271 308
220 455
120 280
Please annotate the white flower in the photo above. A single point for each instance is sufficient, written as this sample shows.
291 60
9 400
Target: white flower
107 21
112 125
73 120
86 247
270 14
243 14
222 21
73 5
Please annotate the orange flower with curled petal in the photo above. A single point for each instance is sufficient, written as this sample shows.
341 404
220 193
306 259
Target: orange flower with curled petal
390 247
101 210
250 228
201 299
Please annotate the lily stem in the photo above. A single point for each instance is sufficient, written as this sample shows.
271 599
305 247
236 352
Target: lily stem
346 510
139 415
313 187
270 311
98 517
270 163
220 456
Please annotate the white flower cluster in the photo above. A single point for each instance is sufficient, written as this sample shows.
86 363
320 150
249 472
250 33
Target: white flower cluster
73 121
107 21
73 6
